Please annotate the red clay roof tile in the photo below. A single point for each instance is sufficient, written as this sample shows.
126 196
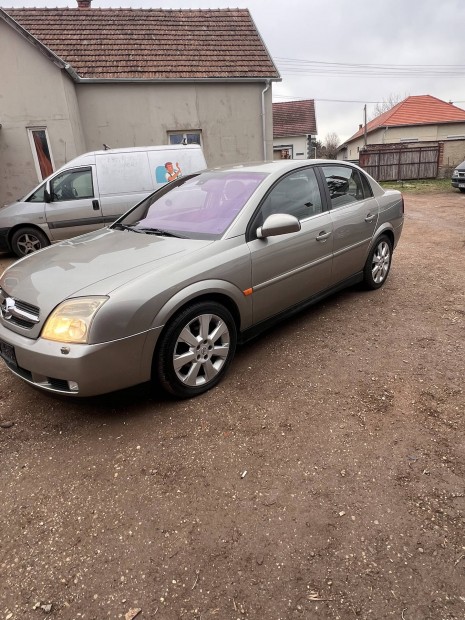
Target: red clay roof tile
152 43
294 118
415 110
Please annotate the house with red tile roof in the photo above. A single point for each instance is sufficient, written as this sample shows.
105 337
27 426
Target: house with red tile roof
75 79
416 121
294 127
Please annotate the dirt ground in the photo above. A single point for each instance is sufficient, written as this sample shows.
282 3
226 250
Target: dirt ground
324 478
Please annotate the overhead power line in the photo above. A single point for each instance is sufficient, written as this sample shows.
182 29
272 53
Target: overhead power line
316 99
295 66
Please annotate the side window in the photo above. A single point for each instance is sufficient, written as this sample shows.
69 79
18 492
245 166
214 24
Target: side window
72 185
344 185
38 195
367 191
297 194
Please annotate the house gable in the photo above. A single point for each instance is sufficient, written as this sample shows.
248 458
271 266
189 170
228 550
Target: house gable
412 112
294 118
152 44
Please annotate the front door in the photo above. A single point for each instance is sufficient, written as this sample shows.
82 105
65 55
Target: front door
74 207
288 269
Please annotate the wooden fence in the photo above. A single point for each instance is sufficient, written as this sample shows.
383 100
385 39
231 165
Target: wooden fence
401 163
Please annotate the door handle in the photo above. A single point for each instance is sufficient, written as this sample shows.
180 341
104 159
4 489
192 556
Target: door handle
370 217
323 235
95 205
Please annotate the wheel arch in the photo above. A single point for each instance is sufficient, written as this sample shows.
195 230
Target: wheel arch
384 230
209 297
21 225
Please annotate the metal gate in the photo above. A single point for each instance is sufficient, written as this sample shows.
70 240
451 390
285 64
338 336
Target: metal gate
400 163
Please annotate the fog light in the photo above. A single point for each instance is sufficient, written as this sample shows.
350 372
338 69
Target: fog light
73 386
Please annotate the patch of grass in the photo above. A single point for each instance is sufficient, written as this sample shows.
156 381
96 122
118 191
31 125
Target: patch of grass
422 186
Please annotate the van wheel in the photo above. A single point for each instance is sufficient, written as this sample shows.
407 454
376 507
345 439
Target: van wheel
27 240
196 349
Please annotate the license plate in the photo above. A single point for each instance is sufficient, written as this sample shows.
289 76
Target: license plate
462 185
7 351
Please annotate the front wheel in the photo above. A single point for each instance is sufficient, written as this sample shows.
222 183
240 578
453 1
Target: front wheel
27 240
196 349
378 263
462 190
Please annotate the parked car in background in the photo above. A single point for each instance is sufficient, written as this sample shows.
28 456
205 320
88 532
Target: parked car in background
90 192
205 262
458 177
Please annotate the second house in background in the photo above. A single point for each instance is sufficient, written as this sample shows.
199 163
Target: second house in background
294 128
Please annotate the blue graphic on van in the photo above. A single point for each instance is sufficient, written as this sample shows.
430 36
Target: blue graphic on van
168 172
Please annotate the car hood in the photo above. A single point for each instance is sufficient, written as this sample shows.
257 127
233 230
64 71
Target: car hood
100 261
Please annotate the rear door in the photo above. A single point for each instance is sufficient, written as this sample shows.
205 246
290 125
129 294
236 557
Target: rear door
354 215
74 208
288 269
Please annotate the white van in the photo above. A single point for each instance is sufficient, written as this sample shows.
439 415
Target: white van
90 192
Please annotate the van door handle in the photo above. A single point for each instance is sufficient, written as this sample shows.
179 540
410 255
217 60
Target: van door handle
95 205
370 217
323 235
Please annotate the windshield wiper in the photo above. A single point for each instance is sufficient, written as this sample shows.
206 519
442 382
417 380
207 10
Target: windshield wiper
119 226
159 231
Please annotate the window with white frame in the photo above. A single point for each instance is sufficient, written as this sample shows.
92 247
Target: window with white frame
41 152
190 136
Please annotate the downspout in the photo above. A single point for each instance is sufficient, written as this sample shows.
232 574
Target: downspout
268 84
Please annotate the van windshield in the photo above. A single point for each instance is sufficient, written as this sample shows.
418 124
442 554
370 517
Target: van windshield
201 206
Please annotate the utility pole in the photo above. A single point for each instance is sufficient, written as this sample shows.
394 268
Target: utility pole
365 124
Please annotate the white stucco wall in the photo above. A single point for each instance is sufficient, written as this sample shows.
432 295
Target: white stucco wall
298 144
422 133
33 93
229 116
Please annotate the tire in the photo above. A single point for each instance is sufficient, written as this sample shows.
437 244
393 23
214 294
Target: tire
204 336
28 240
462 190
378 263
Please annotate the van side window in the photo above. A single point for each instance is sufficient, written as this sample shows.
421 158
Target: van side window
38 195
72 185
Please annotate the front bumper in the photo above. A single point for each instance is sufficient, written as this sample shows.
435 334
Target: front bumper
4 245
86 370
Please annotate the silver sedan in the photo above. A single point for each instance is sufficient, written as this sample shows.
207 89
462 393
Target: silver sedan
167 291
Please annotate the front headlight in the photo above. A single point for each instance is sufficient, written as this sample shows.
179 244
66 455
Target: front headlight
455 173
71 320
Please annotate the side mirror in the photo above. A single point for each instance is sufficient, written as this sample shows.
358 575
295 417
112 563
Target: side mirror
278 224
47 192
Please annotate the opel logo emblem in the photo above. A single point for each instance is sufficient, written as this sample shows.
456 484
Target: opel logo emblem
6 307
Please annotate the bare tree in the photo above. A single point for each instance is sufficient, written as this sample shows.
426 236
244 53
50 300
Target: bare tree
386 105
330 145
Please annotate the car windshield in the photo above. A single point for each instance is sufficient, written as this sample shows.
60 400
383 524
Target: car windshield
200 206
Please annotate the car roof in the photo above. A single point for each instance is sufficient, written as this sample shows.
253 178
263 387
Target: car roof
279 165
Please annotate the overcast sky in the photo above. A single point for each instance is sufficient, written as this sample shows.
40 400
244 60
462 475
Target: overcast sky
406 47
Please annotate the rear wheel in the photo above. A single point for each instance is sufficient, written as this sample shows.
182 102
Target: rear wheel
378 263
196 349
27 240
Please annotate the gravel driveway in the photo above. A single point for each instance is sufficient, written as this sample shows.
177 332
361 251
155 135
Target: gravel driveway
324 478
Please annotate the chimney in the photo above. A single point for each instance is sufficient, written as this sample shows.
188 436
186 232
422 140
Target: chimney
84 4
359 127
